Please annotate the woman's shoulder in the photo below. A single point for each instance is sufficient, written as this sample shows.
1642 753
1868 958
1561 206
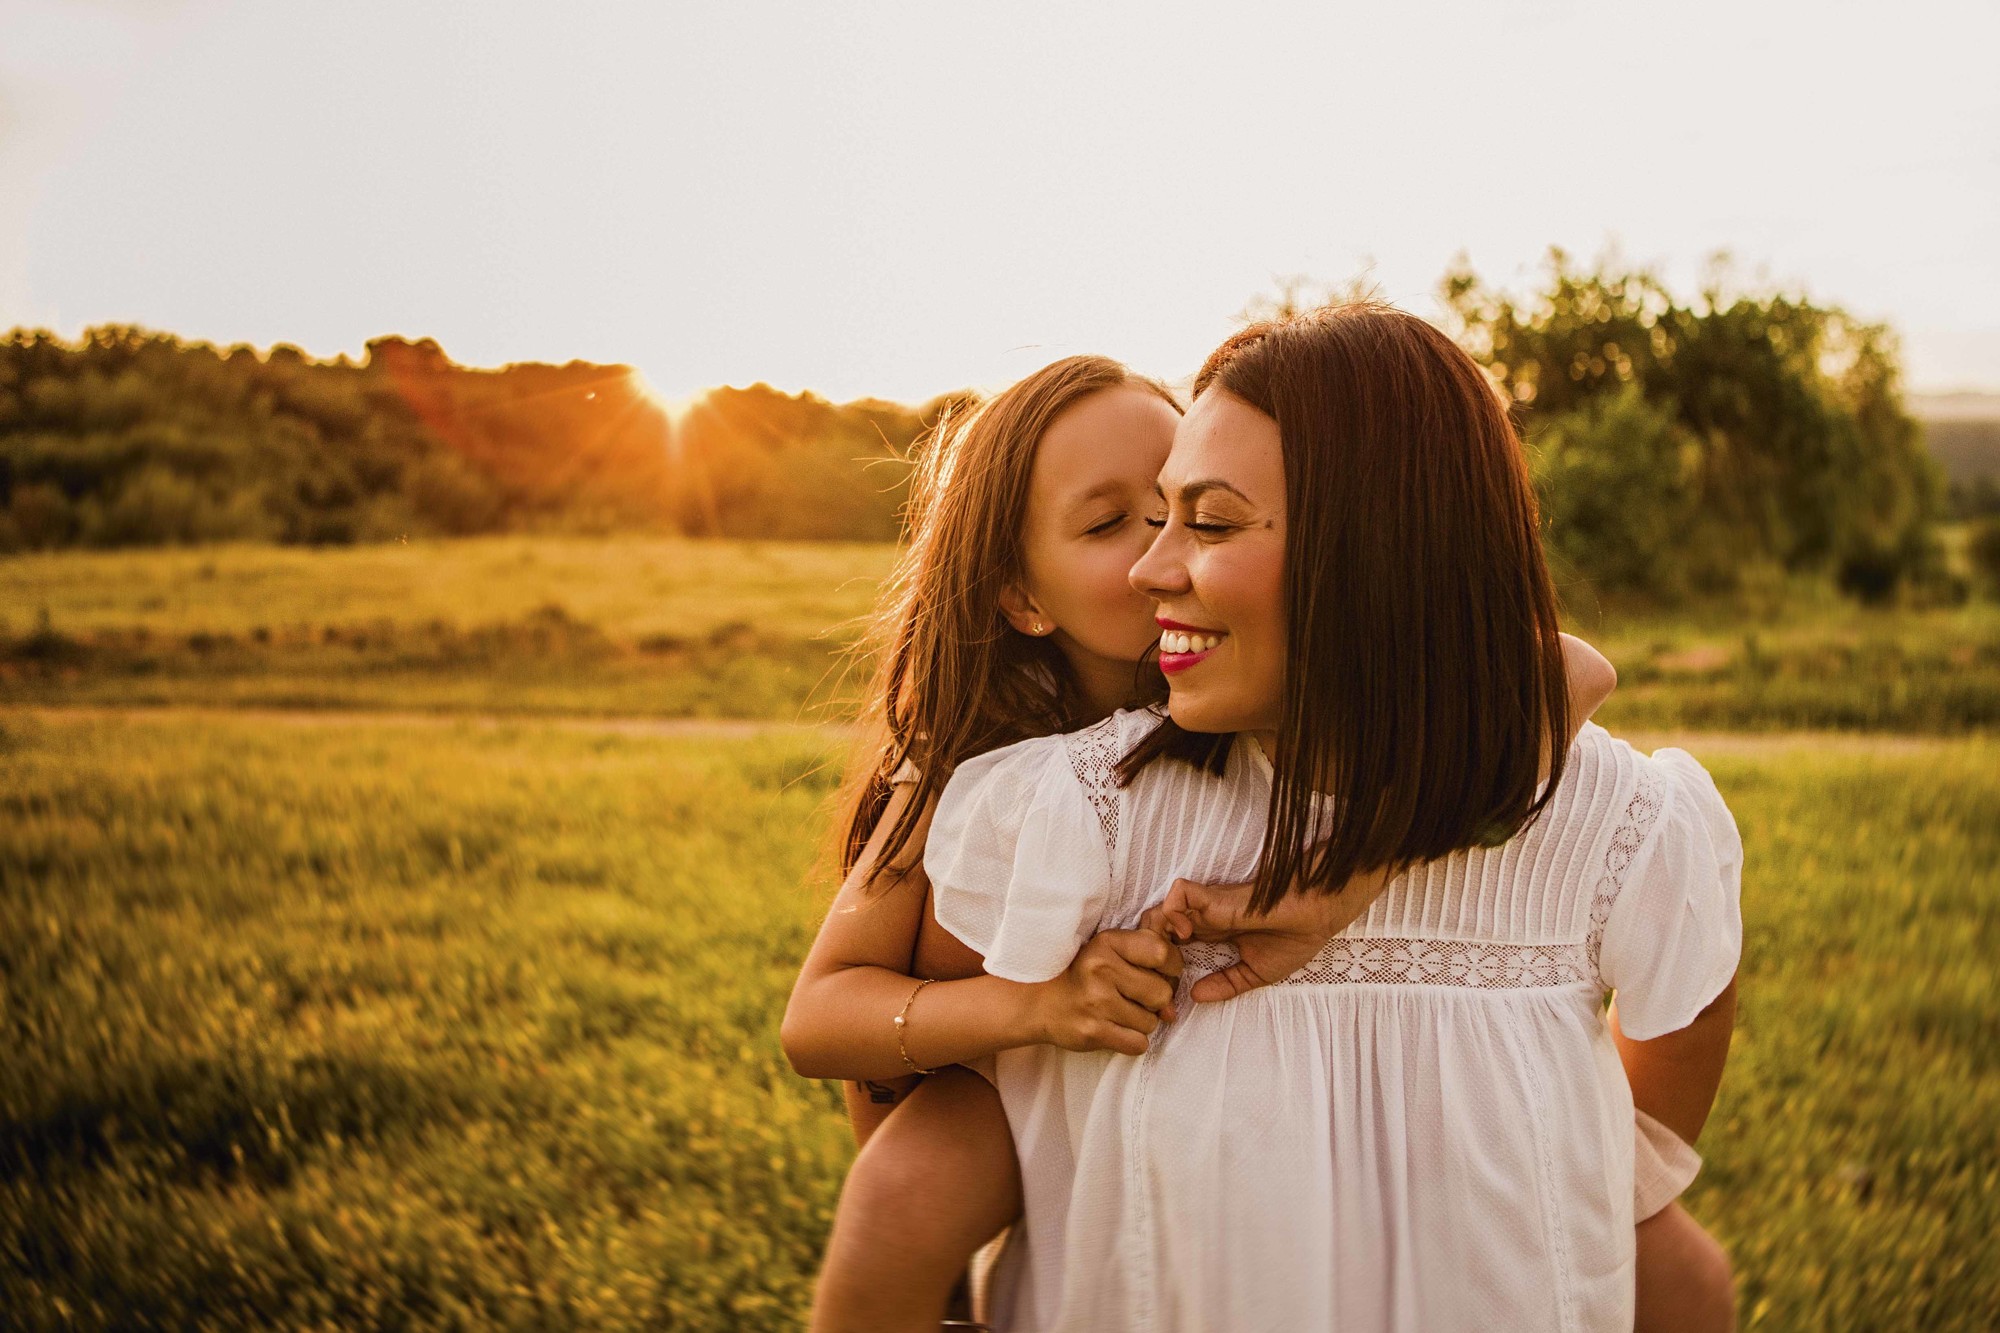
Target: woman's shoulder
1600 769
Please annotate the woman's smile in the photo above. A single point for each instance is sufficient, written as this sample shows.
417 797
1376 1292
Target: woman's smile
1183 646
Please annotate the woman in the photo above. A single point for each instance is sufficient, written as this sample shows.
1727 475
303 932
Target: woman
1011 615
1427 1127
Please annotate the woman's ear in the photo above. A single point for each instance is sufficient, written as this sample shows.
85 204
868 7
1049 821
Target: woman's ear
1023 612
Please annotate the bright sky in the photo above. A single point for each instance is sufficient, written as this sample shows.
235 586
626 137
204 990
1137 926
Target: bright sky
896 197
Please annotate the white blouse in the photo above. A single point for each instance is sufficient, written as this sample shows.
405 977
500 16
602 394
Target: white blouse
1426 1128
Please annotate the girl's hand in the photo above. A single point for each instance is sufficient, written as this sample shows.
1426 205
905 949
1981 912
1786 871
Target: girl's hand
1116 991
1272 946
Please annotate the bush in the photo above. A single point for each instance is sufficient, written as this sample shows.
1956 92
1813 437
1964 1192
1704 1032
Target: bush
40 515
1617 495
158 507
1983 550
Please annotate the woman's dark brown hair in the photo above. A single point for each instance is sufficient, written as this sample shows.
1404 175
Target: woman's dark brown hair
953 678
1424 680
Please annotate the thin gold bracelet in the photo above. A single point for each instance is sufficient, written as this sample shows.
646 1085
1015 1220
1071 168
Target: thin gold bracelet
903 1021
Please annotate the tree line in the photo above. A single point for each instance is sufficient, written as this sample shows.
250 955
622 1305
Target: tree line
1678 445
128 437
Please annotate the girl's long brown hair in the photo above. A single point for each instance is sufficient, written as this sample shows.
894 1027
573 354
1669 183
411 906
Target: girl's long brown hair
953 678
1424 679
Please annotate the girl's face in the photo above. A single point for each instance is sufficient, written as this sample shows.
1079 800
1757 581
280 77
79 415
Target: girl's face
1215 572
1088 494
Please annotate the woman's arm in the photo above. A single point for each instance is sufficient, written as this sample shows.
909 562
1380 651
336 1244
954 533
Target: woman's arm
840 1021
1675 1077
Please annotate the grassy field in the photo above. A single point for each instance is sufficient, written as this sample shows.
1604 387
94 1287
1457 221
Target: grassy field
630 626
323 1018
360 1024
668 628
351 1026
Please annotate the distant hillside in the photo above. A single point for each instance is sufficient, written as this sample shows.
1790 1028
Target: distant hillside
1963 431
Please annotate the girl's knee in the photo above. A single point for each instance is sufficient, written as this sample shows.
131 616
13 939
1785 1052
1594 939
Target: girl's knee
1686 1283
1712 1283
886 1192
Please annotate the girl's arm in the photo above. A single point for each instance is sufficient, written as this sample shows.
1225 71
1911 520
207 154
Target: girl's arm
1675 1077
840 1021
1591 677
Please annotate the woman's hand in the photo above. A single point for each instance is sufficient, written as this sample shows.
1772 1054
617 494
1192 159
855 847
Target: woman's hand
1272 946
1116 991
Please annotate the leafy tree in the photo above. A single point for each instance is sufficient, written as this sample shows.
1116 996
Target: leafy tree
1619 494
1792 437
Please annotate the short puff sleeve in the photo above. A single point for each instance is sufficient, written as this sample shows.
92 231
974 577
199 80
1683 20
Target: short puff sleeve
1675 930
1018 863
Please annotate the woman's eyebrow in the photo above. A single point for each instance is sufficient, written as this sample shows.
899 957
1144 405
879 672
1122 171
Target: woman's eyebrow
1194 490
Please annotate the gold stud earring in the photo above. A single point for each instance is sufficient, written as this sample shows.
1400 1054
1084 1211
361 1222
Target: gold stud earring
1036 628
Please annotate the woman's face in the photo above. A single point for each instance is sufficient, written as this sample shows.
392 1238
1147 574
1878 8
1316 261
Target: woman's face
1088 495
1215 571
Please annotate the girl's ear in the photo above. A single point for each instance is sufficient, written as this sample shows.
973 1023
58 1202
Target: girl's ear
1023 612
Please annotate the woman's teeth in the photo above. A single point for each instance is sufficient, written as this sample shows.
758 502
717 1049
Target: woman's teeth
1173 641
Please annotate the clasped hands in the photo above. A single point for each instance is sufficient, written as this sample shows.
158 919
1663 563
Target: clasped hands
1121 985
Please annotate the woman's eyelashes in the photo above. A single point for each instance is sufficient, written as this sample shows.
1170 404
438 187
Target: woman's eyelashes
1197 524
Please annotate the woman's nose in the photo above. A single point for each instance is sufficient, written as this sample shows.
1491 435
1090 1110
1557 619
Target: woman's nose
1160 573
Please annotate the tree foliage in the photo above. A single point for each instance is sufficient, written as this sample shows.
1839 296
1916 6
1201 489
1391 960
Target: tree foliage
1678 443
129 437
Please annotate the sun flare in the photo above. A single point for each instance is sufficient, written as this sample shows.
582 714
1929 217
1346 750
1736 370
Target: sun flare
675 410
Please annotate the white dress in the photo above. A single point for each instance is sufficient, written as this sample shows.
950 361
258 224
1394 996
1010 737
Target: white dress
1427 1128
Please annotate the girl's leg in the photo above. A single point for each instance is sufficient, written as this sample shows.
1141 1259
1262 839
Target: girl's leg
869 1104
1685 1285
935 1181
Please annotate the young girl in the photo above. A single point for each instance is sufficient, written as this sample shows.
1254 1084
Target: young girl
1011 616
1428 1126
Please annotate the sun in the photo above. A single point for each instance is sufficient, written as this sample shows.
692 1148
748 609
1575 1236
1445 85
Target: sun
675 410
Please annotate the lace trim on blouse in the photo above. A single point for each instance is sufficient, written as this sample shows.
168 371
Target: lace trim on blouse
1094 754
1475 964
1641 812
1479 964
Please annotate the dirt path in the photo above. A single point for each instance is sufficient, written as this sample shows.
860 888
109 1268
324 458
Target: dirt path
1700 743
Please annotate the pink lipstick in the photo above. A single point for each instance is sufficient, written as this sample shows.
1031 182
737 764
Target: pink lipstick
1183 645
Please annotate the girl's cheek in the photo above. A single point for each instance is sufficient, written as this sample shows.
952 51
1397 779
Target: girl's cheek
1108 566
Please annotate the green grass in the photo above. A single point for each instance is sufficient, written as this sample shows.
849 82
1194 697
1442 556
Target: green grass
640 626
359 1027
675 628
629 587
463 1026
1796 656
